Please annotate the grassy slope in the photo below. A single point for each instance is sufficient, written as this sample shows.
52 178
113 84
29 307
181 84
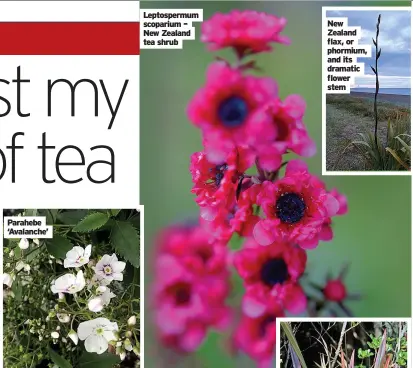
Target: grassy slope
347 116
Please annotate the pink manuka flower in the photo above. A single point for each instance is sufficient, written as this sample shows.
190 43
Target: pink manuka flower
215 185
238 218
256 337
227 108
246 31
326 233
284 131
296 208
196 250
271 276
190 288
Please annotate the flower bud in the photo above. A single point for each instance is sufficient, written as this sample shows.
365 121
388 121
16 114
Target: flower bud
63 317
128 345
24 244
55 334
73 336
132 321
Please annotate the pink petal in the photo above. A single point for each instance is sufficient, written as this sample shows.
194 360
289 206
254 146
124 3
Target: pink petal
252 307
295 301
262 235
332 205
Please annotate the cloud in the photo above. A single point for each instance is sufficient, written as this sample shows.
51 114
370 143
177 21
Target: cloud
369 81
394 41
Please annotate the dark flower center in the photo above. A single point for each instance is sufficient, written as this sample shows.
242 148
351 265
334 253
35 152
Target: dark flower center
274 271
232 111
205 253
290 208
220 173
262 331
182 293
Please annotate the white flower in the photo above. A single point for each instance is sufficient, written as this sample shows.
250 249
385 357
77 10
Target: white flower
97 281
122 355
104 296
69 283
63 317
97 333
110 268
24 244
20 265
73 336
77 256
7 279
132 321
55 334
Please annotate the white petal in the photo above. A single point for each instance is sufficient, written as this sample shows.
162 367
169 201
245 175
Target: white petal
109 336
95 304
96 344
118 266
75 253
88 251
85 329
117 276
69 263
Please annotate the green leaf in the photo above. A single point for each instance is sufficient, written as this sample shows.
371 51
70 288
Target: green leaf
114 212
91 360
17 289
126 241
30 212
58 246
57 359
91 222
33 254
71 217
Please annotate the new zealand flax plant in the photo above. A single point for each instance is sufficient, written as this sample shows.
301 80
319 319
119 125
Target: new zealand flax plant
376 72
394 154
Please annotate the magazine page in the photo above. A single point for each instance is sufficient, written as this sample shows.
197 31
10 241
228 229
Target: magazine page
69 183
206 184
279 231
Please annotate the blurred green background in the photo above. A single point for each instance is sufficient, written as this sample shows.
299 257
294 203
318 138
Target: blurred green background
376 234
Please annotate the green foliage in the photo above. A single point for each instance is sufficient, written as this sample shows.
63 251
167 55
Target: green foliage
392 155
105 360
58 246
92 221
363 354
58 360
125 239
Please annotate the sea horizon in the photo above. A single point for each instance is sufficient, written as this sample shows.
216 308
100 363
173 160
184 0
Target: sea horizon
389 91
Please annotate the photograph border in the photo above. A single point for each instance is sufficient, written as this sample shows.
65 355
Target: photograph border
141 209
323 102
345 319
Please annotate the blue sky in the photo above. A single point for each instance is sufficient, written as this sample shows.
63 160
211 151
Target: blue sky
394 40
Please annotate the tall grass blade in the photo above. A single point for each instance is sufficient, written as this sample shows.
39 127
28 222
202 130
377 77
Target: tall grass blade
293 342
381 354
294 357
351 364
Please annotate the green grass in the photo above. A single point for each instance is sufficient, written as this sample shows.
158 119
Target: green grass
364 107
348 117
